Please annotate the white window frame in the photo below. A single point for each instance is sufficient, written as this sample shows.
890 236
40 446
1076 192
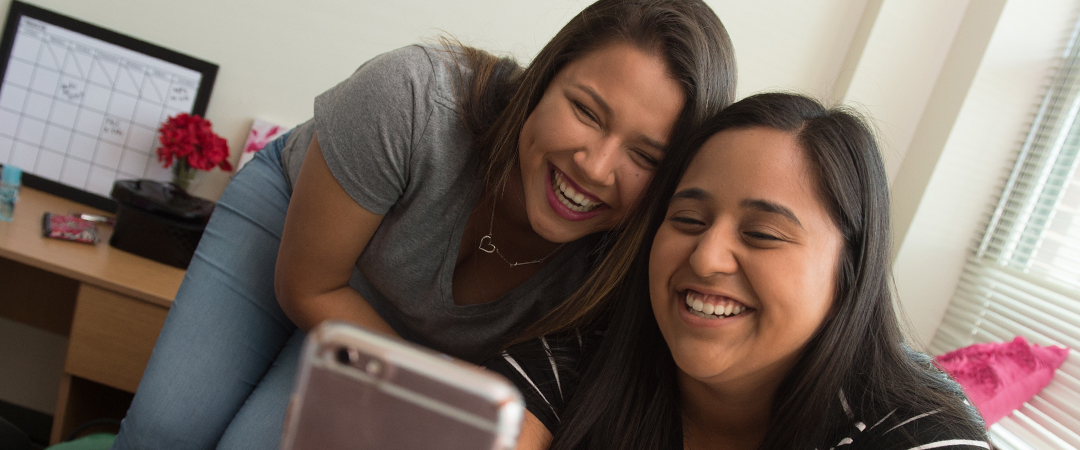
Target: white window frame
1003 291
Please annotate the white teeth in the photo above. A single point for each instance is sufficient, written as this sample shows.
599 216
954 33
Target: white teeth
698 307
570 197
568 191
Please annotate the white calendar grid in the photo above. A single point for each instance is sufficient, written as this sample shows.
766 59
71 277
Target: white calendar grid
84 112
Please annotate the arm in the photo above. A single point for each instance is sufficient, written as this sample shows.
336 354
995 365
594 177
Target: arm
534 435
325 232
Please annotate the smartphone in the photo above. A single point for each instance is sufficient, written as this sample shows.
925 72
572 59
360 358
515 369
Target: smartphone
358 389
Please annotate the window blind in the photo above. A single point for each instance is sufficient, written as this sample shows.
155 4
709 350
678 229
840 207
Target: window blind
1023 277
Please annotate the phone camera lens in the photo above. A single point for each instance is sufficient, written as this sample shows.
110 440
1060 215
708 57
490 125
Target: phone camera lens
345 356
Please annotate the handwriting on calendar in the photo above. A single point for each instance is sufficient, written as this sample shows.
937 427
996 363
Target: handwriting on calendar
85 112
71 91
180 94
113 127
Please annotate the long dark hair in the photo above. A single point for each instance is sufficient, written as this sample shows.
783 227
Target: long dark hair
685 33
629 397
499 96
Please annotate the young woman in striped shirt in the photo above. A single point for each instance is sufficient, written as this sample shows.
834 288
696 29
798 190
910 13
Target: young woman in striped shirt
756 313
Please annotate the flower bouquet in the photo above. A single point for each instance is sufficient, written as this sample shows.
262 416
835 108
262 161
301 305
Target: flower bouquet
188 144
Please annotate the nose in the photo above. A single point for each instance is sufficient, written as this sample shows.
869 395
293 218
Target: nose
597 161
715 253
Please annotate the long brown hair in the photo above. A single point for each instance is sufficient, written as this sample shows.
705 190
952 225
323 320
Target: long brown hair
629 396
500 96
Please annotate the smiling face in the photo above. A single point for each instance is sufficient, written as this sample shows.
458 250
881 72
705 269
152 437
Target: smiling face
592 143
742 271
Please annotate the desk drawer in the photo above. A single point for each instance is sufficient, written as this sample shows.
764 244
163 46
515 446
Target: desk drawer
112 336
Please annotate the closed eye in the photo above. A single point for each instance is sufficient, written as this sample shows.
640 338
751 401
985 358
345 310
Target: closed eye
762 236
687 220
687 224
581 109
648 159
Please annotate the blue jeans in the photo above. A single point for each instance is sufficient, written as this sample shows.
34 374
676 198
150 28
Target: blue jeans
223 366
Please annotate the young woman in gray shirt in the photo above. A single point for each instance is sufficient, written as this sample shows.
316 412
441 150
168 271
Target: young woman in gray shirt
440 194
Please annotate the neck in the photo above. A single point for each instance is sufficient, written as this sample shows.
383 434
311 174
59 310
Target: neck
509 222
730 415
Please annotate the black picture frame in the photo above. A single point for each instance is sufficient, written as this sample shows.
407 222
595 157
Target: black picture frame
19 10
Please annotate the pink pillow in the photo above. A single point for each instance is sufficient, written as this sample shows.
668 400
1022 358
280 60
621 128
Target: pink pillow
999 377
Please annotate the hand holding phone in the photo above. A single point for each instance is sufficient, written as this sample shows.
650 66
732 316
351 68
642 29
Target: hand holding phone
361 390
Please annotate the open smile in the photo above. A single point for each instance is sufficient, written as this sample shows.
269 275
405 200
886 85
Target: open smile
713 307
568 199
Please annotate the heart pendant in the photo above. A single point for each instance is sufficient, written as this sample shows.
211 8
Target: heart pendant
486 246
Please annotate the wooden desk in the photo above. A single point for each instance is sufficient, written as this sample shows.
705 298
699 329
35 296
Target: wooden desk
111 304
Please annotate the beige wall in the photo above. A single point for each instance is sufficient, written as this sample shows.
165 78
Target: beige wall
975 120
916 66
275 56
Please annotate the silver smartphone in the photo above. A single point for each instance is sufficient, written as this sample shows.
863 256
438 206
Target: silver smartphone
358 389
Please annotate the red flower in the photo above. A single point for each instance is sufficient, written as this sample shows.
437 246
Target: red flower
191 138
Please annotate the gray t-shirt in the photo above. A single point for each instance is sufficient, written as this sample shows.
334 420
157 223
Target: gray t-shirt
393 140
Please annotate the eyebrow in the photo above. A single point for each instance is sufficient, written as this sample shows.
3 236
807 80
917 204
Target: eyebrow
692 194
770 207
595 96
607 110
753 203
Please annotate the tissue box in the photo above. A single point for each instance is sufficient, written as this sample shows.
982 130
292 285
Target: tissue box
158 221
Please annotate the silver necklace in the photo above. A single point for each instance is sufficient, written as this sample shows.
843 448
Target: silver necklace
487 246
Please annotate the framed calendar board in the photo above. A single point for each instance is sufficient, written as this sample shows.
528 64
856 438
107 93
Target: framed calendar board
80 105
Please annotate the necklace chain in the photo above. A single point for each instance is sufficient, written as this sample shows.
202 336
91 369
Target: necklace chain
487 246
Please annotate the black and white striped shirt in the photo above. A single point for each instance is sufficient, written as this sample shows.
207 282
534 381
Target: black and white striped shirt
546 372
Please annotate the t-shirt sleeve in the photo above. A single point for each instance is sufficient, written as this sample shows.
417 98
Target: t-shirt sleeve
542 385
367 125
